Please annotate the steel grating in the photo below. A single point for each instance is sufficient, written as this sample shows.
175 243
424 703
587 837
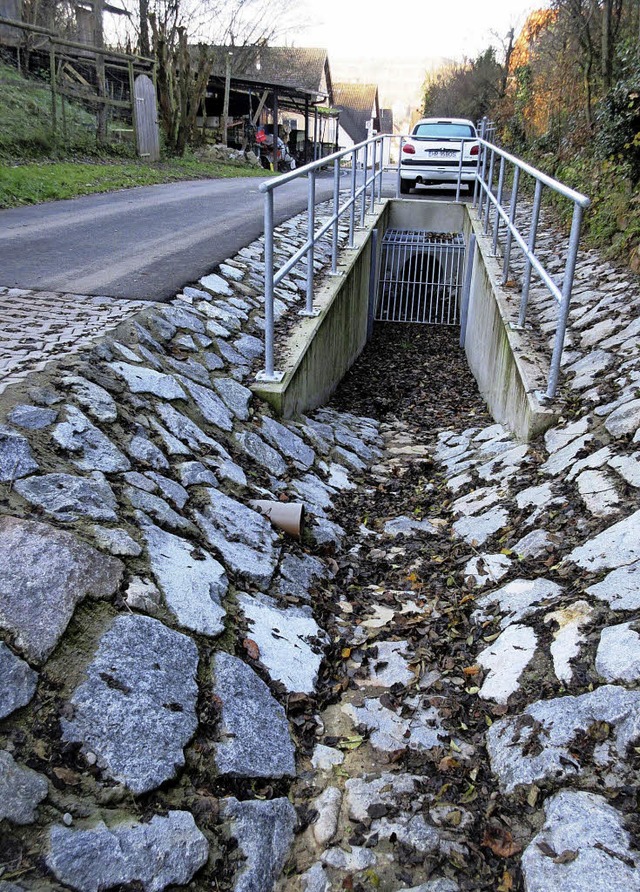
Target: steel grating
420 277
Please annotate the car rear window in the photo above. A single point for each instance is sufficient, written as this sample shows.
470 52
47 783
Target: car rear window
444 129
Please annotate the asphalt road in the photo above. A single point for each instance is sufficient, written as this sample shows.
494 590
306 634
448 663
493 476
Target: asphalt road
140 244
147 243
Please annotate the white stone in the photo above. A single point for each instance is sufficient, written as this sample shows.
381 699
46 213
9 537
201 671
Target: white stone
506 659
487 568
391 733
628 466
596 459
327 805
559 437
586 825
625 420
475 501
568 636
620 588
564 457
326 757
192 581
406 525
618 656
617 545
518 599
533 544
357 858
288 640
477 529
535 495
217 285
144 380
390 666
598 492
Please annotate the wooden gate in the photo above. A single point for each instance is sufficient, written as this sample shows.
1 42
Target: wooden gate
146 119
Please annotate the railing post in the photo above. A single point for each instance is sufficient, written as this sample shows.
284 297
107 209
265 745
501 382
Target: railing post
352 208
336 211
567 286
459 171
512 218
526 277
363 193
311 225
268 285
398 176
489 191
496 219
382 141
476 187
374 157
481 195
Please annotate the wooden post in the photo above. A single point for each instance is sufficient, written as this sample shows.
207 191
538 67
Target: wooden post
134 112
225 104
52 71
98 42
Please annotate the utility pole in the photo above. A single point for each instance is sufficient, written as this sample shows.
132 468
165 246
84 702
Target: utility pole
227 91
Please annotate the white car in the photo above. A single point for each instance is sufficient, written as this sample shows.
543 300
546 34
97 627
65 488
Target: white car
432 153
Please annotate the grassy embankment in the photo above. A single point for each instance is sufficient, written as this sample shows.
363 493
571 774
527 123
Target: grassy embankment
35 167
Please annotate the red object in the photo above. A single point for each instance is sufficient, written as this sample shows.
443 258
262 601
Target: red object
475 150
261 136
408 149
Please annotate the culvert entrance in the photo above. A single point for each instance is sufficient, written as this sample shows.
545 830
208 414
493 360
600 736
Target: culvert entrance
421 276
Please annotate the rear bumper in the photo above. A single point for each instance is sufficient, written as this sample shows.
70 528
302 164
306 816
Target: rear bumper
419 172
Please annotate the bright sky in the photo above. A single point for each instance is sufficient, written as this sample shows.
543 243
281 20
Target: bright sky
410 28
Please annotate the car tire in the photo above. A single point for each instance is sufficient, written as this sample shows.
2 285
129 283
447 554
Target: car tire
405 187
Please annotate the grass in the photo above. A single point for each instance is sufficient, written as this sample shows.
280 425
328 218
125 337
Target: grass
35 167
49 181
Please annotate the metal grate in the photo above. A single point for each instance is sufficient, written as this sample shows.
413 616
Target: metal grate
420 277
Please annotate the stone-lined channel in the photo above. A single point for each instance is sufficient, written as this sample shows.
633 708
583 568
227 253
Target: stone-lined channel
436 689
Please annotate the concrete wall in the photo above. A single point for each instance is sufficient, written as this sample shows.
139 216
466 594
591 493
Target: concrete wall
320 350
509 372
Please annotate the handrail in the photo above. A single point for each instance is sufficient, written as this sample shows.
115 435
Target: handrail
373 169
491 211
485 197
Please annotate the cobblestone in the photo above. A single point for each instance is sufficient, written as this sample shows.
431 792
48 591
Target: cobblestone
62 325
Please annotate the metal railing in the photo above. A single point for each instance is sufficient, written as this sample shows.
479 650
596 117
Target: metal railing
368 154
494 212
496 215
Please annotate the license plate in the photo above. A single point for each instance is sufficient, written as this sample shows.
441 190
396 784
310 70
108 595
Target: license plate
441 153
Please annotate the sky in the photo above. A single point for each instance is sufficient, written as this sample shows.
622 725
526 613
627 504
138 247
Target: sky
410 28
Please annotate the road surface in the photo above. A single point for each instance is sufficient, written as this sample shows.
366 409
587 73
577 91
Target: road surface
140 244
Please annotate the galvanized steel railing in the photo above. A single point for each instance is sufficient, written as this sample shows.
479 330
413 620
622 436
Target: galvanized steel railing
370 154
493 213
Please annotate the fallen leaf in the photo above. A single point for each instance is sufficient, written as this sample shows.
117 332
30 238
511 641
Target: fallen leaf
501 842
471 670
251 648
506 884
566 857
546 849
345 653
67 776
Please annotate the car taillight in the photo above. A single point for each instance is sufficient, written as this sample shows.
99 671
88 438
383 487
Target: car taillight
475 150
408 149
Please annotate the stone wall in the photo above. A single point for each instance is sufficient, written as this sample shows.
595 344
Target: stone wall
153 625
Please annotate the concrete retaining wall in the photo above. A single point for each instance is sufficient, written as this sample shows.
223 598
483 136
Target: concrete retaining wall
319 351
509 372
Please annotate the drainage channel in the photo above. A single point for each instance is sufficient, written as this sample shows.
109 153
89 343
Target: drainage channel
402 792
